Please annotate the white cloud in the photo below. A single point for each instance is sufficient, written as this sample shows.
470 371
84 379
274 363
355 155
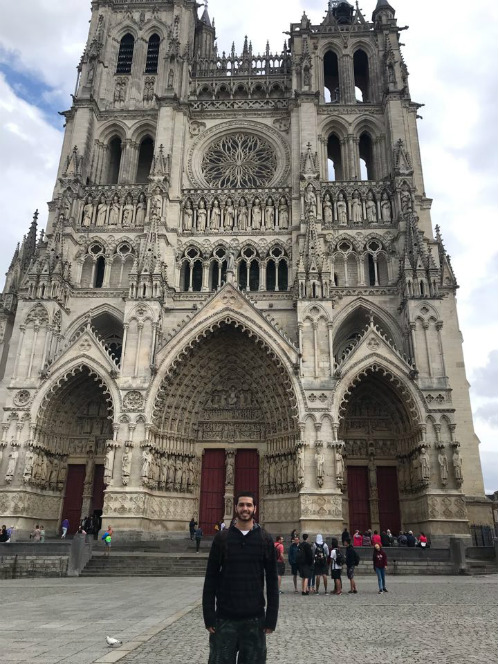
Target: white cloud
450 56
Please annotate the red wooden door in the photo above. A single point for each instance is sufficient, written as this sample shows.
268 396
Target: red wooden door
73 499
359 499
247 472
212 505
387 485
98 489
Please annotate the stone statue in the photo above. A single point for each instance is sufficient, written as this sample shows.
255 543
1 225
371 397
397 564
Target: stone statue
231 261
215 224
87 213
310 205
342 210
406 199
126 466
339 466
11 466
269 214
201 216
285 470
178 475
170 478
109 464
328 216
300 467
385 208
356 208
425 468
320 467
229 215
114 211
128 211
102 212
28 465
146 461
283 214
457 465
61 479
371 208
141 210
256 215
157 204
243 220
443 466
188 216
229 470
54 473
90 467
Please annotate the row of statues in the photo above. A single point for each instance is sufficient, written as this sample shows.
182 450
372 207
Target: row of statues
170 472
43 470
258 214
415 472
104 212
283 473
346 211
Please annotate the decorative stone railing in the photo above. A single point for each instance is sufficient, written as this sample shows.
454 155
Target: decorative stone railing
106 207
238 212
247 64
357 204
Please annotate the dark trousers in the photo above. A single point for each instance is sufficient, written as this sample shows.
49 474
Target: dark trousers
245 637
197 543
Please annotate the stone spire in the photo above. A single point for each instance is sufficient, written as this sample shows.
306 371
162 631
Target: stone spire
383 7
205 16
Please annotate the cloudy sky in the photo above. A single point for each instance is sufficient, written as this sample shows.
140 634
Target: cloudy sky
450 52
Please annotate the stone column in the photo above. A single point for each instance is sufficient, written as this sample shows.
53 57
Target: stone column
374 495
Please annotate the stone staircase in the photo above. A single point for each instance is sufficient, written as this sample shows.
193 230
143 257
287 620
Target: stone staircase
146 564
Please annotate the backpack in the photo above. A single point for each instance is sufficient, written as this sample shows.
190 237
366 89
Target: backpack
301 555
339 557
320 558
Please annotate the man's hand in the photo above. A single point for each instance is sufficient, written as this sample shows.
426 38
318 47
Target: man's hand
267 630
211 630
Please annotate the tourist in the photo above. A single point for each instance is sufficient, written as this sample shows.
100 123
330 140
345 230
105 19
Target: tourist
352 561
410 539
366 539
305 562
198 536
380 566
293 559
422 541
10 533
88 525
65 528
336 562
390 537
402 541
191 527
4 536
345 536
294 534
222 525
279 553
36 534
357 538
320 563
233 599
81 531
385 539
42 534
376 538
107 539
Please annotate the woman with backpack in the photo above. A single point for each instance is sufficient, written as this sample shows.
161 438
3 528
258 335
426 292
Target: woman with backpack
336 563
321 566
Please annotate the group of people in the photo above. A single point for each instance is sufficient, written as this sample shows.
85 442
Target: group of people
386 538
6 534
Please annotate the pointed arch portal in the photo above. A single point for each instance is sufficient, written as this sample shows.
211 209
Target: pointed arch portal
73 425
378 426
230 395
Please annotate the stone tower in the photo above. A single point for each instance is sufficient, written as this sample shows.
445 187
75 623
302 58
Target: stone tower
238 289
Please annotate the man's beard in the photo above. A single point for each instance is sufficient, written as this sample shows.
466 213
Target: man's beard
244 516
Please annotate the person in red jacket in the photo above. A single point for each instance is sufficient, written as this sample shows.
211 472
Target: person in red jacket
380 565
376 538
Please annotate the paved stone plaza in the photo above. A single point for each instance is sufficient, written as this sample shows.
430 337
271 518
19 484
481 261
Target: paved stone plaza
422 619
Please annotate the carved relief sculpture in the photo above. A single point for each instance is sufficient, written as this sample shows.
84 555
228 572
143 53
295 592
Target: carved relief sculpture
443 467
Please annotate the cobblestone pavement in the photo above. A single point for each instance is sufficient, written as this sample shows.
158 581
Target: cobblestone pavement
429 620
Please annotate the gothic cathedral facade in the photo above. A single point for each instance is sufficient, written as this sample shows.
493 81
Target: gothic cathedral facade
239 288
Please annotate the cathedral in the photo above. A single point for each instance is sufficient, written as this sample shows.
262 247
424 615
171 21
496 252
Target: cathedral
238 288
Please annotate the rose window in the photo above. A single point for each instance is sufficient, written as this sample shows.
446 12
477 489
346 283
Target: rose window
239 160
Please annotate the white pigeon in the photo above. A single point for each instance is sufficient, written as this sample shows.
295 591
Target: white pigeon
112 642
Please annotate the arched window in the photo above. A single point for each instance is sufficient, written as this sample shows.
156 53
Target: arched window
125 57
115 150
152 55
283 276
249 270
277 271
192 271
271 275
361 76
218 268
99 272
331 78
145 157
334 154
366 158
371 270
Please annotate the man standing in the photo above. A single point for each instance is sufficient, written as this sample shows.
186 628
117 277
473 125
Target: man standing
198 537
305 562
293 560
233 601
279 553
191 527
65 528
